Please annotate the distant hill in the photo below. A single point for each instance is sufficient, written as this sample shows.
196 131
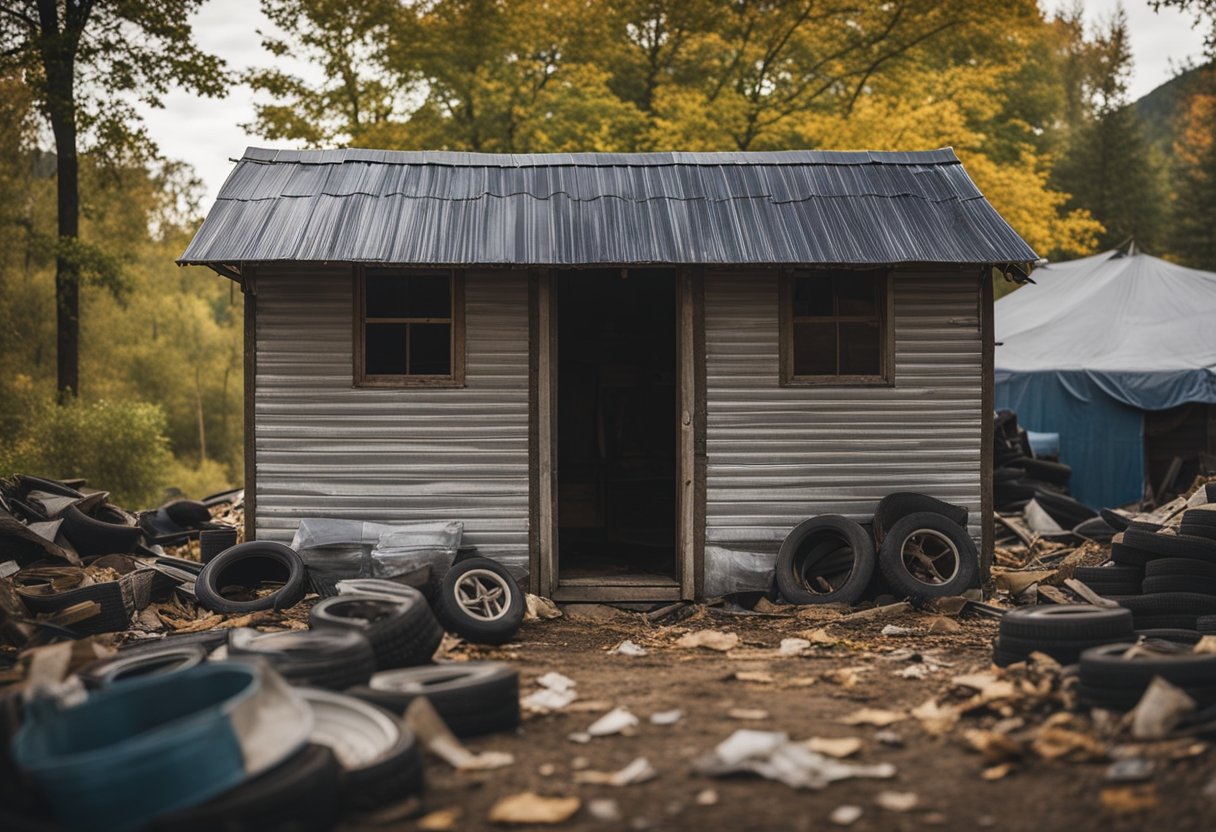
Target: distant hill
1159 109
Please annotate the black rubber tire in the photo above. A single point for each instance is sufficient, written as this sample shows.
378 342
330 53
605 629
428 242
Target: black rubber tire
1200 517
208 640
168 659
1126 555
1168 603
1067 622
91 537
474 698
1003 658
393 776
1165 622
189 514
1197 530
1096 529
1108 574
1009 473
809 541
1171 545
1206 624
895 507
1114 519
1066 511
334 659
403 632
1056 473
457 620
945 533
1171 634
1104 667
248 565
1179 583
1056 647
1180 568
299 795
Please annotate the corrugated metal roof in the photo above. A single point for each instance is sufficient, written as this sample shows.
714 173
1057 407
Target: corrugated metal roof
446 208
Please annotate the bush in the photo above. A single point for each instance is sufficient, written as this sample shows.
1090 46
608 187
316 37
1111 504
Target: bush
118 447
188 478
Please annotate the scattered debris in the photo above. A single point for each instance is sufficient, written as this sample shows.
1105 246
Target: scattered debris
838 747
538 608
1129 800
1161 708
440 820
845 815
772 755
638 771
710 639
707 797
877 717
748 714
529 807
556 692
434 734
793 646
628 648
616 721
604 809
666 717
887 630
897 801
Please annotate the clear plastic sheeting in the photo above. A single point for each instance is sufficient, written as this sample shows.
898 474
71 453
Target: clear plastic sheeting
738 570
335 550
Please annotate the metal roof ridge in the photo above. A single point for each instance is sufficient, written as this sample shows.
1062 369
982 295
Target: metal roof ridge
446 158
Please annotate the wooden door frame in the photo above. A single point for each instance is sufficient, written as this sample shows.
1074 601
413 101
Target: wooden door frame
542 435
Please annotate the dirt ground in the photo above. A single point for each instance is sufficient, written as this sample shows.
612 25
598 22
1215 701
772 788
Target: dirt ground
809 696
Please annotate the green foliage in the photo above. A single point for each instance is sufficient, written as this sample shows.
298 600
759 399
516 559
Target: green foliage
117 446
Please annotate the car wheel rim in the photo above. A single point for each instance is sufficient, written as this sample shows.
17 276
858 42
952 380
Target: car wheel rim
484 595
930 557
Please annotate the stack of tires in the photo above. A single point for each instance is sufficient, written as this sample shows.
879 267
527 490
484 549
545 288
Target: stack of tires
1062 632
1177 575
920 546
1115 677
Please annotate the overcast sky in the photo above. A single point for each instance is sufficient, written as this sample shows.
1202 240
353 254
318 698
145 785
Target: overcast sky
208 134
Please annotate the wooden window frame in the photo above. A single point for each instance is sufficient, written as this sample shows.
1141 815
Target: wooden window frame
886 354
454 379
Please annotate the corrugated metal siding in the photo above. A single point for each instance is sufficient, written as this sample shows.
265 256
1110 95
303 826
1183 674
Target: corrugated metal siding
327 449
778 455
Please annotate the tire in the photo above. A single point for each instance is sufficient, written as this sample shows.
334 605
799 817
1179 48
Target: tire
299 795
894 507
90 537
1200 517
1179 583
1056 473
1180 568
1126 555
1118 522
1169 603
1064 509
333 659
814 539
1165 622
479 601
474 698
1171 546
926 534
1197 530
168 659
1104 667
189 514
1112 579
249 565
403 632
378 753
1176 635
1067 622
208 640
1096 529
1065 651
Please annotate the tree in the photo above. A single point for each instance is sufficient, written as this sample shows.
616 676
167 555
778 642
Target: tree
1204 12
85 60
1108 167
1193 237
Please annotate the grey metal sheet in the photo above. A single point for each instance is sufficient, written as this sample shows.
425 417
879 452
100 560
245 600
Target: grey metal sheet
327 449
442 208
778 455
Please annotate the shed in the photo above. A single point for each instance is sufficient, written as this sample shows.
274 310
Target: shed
629 375
1116 353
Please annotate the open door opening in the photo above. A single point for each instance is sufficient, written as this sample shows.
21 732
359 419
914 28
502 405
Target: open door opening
616 427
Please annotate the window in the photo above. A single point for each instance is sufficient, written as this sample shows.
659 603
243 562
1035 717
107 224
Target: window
834 328
410 328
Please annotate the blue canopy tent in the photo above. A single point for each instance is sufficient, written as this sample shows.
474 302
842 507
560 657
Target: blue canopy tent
1095 343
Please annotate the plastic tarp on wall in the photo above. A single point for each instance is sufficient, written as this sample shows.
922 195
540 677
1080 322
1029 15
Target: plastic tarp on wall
1094 343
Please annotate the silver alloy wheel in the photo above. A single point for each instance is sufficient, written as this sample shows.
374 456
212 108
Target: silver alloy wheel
484 595
925 552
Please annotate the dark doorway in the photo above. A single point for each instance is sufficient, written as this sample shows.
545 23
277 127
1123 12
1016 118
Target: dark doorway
616 426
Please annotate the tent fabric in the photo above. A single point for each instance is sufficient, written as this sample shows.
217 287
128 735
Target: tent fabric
1094 343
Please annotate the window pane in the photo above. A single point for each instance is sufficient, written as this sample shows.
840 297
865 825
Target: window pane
857 293
429 297
384 350
386 296
814 349
860 350
812 296
430 349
